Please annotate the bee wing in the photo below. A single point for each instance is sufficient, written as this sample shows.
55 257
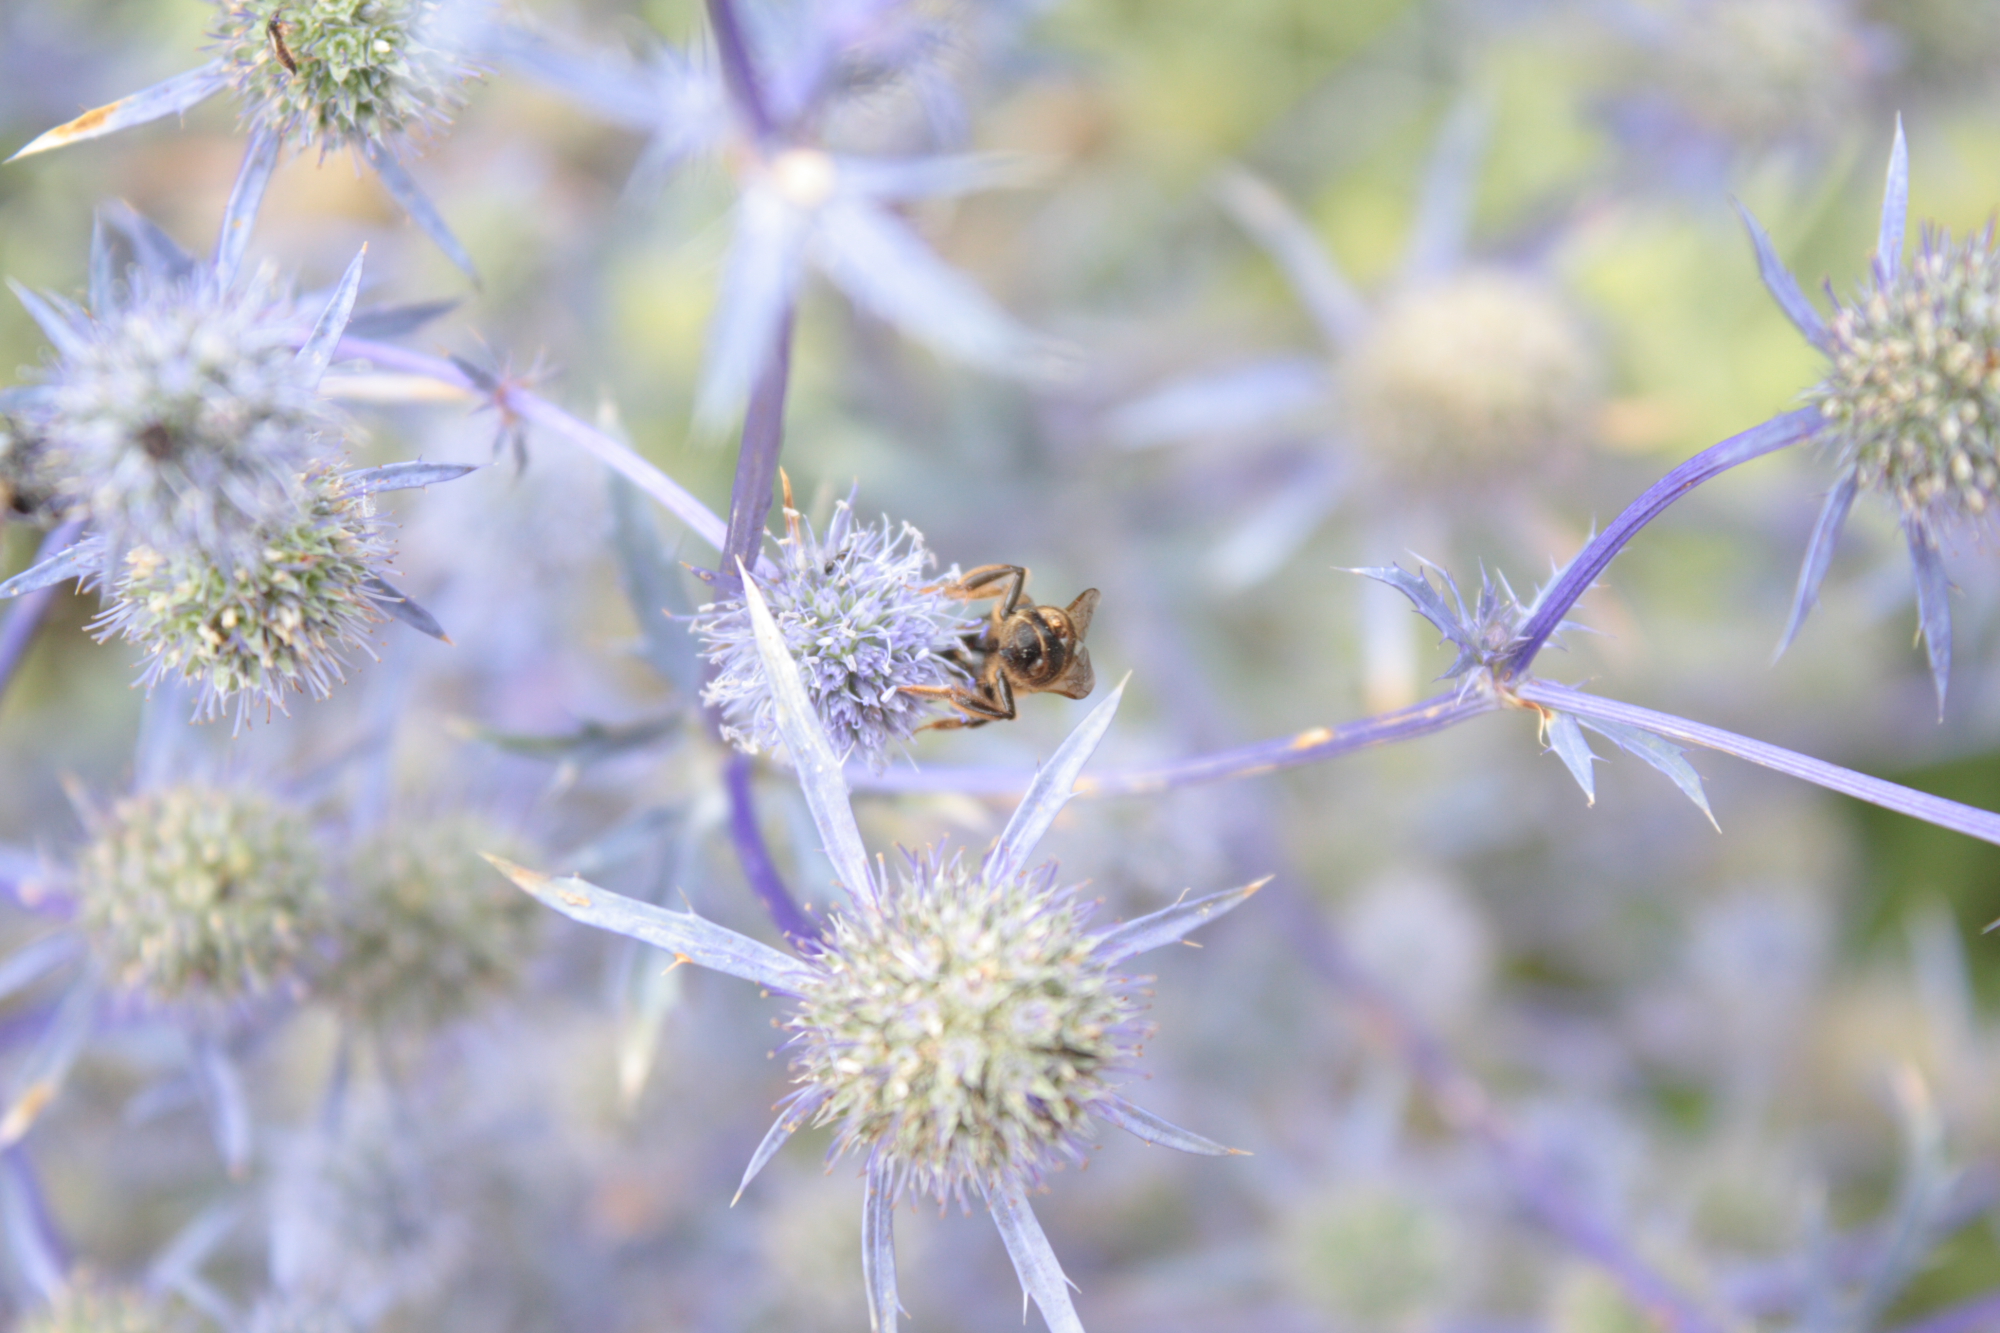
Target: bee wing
1079 612
1077 679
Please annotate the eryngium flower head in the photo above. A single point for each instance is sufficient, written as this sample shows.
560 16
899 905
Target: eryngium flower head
964 1026
182 417
425 934
86 1305
198 892
251 632
1913 399
1484 371
861 623
340 73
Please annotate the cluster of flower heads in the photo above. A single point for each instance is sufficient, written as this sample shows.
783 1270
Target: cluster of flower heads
856 610
195 892
333 74
960 1026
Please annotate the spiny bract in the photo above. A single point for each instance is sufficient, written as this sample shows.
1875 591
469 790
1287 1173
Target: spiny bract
964 1027
361 71
1913 400
199 892
254 632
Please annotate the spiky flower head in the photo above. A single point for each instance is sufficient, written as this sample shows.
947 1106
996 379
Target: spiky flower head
88 1305
858 616
964 1026
425 934
251 633
342 73
194 892
181 416
1757 69
1484 372
1912 402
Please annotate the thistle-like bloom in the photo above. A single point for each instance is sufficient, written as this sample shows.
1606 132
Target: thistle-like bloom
257 632
799 203
199 892
856 611
1911 404
961 1028
1461 377
371 75
423 935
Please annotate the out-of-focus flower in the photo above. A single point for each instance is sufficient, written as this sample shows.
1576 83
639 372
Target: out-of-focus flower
87 1305
1460 378
257 632
961 1026
195 892
370 75
1911 404
861 621
798 202
423 935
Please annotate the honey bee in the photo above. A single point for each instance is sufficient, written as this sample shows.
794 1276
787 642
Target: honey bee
276 29
1023 649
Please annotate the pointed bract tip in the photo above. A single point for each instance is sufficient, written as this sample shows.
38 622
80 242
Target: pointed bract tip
529 880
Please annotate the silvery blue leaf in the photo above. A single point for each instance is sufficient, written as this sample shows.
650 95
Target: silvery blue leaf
72 562
1144 1125
221 1084
1895 208
260 159
31 962
40 1076
1566 739
699 941
1170 923
1276 529
166 98
901 179
1933 600
760 280
316 353
1819 555
1035 1263
404 476
398 604
393 321
67 338
1784 288
1662 754
1323 289
1054 784
31 1251
1444 213
1243 399
652 583
799 1108
403 188
878 1244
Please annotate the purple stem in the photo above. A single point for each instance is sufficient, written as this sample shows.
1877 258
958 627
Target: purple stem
1468 1108
613 453
1306 747
737 71
758 867
1966 819
757 459
1711 462
26 617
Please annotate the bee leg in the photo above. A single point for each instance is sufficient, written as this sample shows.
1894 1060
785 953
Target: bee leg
978 706
984 582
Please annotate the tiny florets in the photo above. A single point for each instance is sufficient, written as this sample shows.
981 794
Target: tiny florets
425 934
338 73
964 1028
89 1306
196 892
252 632
183 419
1486 371
1913 399
860 621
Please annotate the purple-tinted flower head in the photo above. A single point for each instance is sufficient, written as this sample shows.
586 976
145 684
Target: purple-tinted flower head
857 610
1484 371
194 892
179 414
257 631
965 1026
334 74
1912 401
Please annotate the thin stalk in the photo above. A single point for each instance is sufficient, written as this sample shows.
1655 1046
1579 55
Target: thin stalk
757 459
737 70
1775 434
755 856
1966 819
